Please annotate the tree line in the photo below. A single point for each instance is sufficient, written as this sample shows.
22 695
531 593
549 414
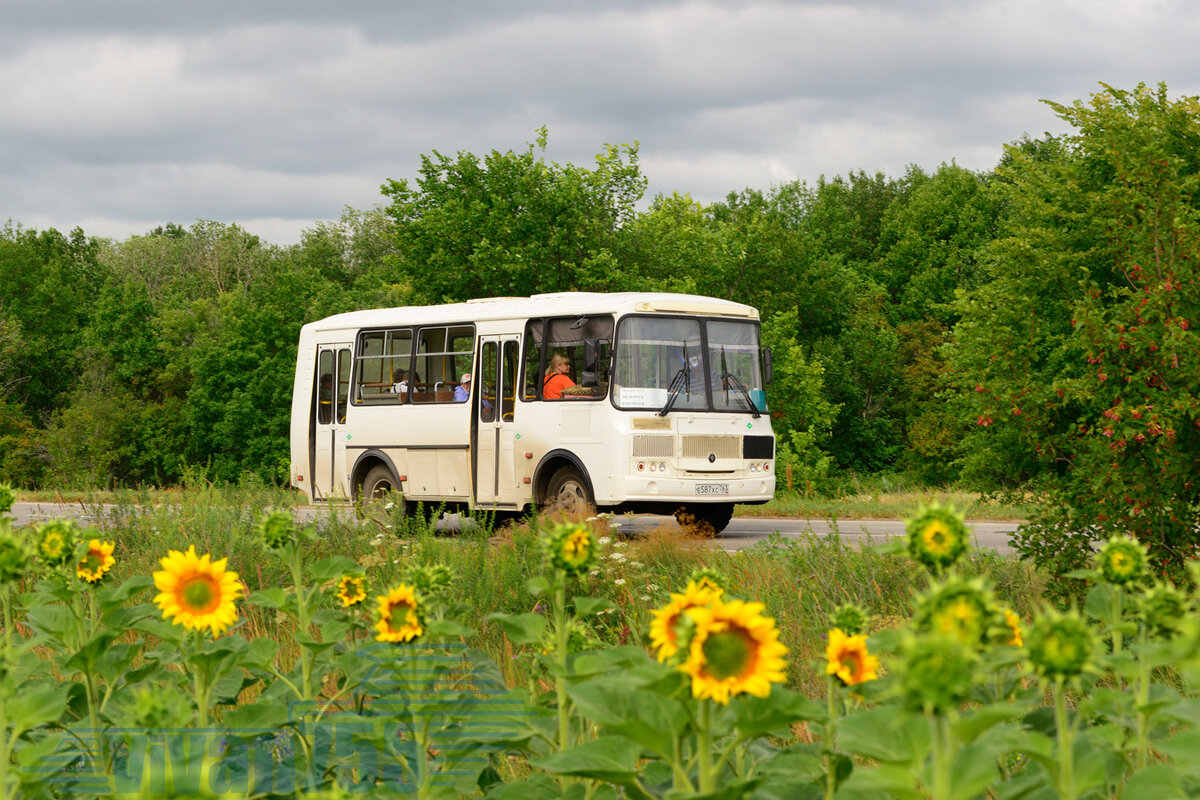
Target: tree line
1029 327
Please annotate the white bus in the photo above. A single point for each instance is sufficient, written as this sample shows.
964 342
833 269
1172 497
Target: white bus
667 412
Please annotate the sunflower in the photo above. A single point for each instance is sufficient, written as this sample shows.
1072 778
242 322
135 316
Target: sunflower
352 590
399 615
848 658
735 649
667 621
937 537
1061 645
570 547
1122 560
197 591
1014 625
55 542
96 562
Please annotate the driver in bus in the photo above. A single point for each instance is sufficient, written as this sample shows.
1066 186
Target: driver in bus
557 378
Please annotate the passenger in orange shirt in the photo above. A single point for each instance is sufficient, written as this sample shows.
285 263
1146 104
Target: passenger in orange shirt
556 377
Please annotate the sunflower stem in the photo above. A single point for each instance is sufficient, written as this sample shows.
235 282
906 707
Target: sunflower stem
831 739
7 619
943 755
1116 616
708 782
200 686
1143 700
302 618
4 745
1066 762
560 680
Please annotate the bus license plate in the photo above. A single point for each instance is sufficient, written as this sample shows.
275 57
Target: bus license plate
712 488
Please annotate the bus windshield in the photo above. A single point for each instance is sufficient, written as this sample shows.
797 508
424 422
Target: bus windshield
662 363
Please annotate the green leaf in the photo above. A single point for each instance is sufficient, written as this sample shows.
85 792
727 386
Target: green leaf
53 620
605 758
112 598
84 659
885 734
539 787
589 606
650 719
758 716
521 628
974 771
537 586
37 705
885 780
971 726
1183 749
270 598
1157 782
333 567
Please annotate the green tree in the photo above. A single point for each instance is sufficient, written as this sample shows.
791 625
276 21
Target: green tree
511 223
1081 356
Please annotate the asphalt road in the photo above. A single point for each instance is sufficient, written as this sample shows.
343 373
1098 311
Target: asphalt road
742 531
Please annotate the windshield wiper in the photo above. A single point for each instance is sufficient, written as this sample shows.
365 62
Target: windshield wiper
727 376
682 380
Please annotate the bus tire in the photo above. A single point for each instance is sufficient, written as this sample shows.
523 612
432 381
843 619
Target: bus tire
704 519
568 492
377 484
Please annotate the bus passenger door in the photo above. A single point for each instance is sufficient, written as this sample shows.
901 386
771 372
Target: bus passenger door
495 389
329 414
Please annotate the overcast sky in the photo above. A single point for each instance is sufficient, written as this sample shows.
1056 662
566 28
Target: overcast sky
121 115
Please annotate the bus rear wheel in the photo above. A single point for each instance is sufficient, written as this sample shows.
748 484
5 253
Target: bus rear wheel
568 492
704 519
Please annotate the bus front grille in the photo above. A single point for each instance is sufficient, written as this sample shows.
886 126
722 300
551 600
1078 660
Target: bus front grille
720 446
653 446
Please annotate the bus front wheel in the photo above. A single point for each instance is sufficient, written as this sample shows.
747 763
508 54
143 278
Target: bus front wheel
704 519
568 492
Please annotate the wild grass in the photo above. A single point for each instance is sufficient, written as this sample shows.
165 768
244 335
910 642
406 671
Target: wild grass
800 580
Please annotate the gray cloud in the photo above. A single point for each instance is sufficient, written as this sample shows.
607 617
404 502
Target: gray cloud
121 116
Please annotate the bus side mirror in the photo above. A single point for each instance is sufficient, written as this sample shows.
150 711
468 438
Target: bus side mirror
768 364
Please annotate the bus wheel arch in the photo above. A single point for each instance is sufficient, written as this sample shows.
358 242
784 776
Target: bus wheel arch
371 471
563 482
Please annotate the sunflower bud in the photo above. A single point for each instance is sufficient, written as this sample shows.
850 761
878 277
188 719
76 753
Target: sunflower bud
570 547
937 537
55 542
962 609
1122 560
1164 608
14 558
709 578
1060 645
276 530
850 618
430 581
937 673
157 708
